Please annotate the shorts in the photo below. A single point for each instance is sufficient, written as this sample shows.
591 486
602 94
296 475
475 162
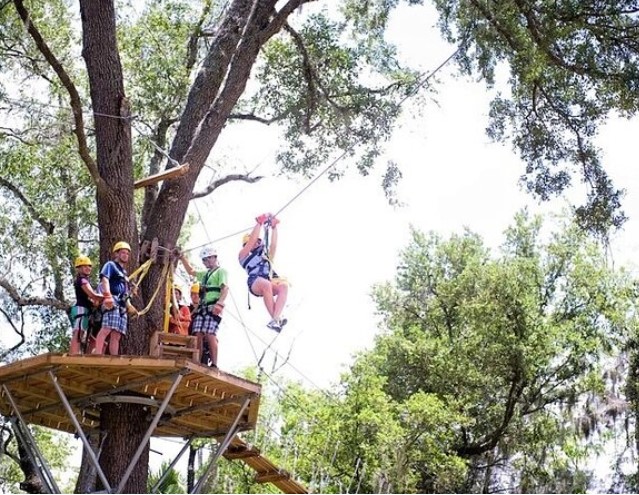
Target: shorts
205 323
79 316
115 319
251 279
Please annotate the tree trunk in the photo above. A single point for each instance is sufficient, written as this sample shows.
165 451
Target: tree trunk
32 482
125 424
123 438
190 470
88 475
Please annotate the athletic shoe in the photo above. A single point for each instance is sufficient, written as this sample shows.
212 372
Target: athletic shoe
274 325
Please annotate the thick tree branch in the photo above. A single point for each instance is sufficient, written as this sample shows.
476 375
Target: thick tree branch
47 226
31 301
225 180
76 105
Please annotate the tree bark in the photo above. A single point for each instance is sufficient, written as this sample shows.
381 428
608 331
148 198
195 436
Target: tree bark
32 482
126 423
88 475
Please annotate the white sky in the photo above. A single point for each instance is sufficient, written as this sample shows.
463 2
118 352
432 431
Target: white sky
338 239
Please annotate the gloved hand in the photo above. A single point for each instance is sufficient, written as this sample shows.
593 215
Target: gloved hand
217 309
108 302
274 222
262 218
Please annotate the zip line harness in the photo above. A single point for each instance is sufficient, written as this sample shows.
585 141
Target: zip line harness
265 256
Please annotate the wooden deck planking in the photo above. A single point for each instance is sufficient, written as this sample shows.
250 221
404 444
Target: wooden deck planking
84 377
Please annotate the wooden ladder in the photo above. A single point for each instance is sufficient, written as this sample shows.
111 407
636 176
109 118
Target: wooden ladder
266 471
170 345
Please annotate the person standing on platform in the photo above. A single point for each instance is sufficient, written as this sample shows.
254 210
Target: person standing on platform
213 292
87 300
114 285
180 319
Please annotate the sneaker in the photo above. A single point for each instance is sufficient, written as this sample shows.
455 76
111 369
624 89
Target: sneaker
274 325
283 321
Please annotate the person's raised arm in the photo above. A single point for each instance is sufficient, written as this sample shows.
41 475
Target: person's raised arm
253 236
187 266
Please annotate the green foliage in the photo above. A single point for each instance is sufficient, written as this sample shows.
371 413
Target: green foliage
512 344
56 448
320 97
571 64
172 483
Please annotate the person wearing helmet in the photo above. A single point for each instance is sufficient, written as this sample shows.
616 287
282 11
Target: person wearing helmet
86 300
213 291
262 281
180 318
114 285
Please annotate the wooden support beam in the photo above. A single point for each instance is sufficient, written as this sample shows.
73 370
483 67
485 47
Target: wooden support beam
272 476
241 452
171 173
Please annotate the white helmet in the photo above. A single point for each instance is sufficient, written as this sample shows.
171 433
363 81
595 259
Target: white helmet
208 251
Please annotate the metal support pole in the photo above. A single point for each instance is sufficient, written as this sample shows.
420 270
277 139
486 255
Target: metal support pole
31 446
172 465
149 432
222 447
92 457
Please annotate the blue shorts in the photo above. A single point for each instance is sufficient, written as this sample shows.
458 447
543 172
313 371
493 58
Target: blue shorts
251 279
206 323
115 319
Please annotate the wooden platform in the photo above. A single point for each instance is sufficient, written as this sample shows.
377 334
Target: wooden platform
204 404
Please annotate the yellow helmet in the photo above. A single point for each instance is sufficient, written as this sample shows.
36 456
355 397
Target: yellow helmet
83 261
121 245
245 238
195 287
177 287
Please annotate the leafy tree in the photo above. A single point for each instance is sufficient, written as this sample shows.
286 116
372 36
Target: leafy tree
15 473
171 482
570 65
516 345
73 143
566 67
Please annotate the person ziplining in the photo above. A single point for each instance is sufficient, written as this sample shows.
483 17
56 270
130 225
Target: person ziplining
256 257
